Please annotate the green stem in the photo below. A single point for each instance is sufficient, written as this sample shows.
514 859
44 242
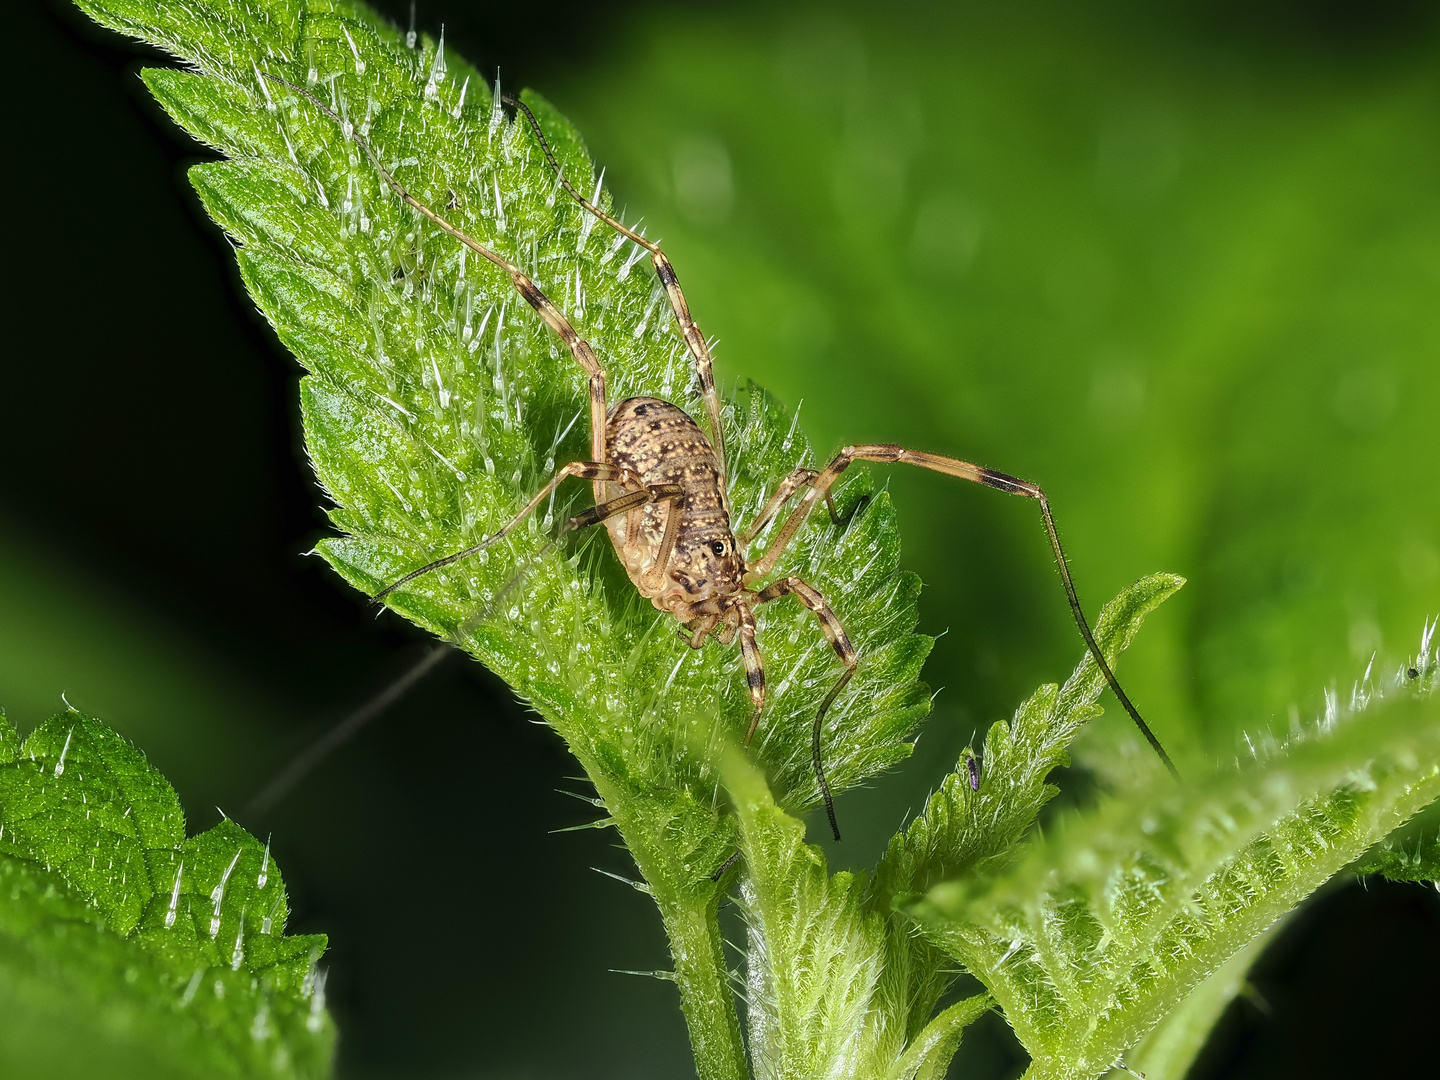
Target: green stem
705 994
690 911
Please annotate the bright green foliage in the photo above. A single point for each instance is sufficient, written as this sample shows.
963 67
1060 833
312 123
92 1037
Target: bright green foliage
966 831
1174 1043
814 957
838 981
1105 926
963 831
136 950
435 402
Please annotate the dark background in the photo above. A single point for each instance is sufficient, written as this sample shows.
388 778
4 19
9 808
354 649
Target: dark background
155 508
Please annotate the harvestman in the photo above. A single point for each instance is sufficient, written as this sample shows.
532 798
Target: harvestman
660 488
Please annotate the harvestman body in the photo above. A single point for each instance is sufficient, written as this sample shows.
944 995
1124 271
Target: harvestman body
660 488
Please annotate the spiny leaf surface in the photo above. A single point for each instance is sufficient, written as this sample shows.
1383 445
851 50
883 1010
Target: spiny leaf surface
1112 920
838 981
437 402
167 949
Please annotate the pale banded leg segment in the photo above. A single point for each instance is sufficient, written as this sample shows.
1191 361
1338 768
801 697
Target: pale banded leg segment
578 346
694 339
754 666
598 471
786 490
889 452
625 504
696 631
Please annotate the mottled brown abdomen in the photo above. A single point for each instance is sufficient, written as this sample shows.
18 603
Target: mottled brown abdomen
660 443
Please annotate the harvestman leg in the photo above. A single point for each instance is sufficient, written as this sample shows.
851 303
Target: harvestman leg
694 339
798 479
316 752
598 471
888 452
812 598
579 347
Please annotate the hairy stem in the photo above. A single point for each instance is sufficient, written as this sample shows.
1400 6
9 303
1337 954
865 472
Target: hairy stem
706 998
689 902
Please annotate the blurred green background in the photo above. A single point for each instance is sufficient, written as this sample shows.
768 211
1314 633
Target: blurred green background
1178 262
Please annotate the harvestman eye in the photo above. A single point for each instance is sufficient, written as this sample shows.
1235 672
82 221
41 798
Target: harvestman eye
647 451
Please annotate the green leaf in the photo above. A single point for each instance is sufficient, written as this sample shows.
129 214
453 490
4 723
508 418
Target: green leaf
815 955
1172 1046
436 402
928 1056
838 982
105 820
969 830
166 954
964 829
817 969
1403 860
1113 919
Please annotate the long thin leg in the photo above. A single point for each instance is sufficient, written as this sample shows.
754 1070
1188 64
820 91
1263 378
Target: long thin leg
622 505
889 452
694 339
598 471
579 347
813 599
654 579
301 765
282 782
798 479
